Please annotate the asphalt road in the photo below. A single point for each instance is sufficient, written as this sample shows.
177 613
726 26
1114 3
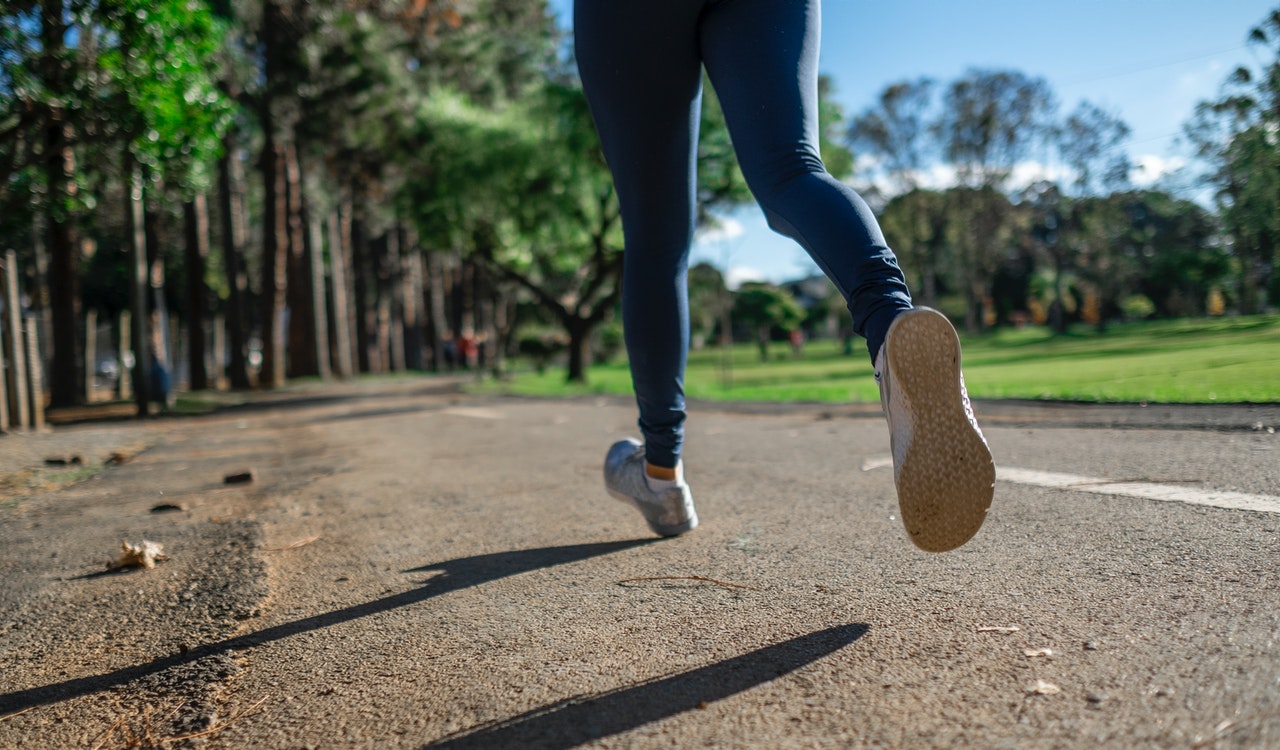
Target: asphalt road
415 568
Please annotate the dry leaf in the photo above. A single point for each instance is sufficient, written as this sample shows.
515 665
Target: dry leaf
1044 688
999 629
1033 652
143 555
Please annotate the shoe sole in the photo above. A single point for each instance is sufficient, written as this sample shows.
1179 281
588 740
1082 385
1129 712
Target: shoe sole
947 477
658 529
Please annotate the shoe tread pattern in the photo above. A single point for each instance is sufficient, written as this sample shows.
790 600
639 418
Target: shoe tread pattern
947 477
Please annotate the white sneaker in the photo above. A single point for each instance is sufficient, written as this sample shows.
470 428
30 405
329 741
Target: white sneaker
941 463
669 512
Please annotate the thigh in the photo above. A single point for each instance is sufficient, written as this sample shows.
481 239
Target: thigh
762 58
641 72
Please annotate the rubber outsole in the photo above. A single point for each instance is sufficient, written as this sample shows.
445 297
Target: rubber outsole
658 529
946 479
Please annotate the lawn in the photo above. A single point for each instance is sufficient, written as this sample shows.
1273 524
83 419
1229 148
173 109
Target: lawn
1214 360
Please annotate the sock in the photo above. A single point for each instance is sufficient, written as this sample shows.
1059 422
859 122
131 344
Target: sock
658 485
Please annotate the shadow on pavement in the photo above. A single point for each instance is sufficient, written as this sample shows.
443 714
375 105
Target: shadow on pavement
455 574
575 721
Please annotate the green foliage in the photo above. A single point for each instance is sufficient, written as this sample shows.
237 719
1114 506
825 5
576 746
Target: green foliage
164 94
1137 306
720 181
709 299
991 120
766 306
1219 360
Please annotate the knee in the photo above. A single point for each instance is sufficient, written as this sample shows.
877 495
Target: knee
773 179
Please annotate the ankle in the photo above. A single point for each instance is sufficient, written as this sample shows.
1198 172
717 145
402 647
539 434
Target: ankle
659 478
660 472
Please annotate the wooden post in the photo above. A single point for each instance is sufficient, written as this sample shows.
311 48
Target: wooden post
124 373
90 352
15 354
219 373
37 374
4 390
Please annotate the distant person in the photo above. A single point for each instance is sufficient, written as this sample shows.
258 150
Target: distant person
468 350
796 338
449 351
641 64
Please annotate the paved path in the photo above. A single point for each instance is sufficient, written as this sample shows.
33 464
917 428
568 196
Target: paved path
414 568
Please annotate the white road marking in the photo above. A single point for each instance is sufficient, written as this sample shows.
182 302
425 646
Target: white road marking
877 462
1149 490
473 412
1176 493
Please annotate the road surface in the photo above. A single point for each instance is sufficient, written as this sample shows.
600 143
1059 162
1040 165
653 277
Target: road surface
412 567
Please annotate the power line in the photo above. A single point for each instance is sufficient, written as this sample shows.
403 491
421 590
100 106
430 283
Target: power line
1157 66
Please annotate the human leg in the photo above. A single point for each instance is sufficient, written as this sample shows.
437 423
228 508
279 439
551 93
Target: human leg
642 76
762 57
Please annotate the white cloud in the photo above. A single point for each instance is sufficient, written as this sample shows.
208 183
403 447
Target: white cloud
736 276
1149 168
725 229
943 176
1029 172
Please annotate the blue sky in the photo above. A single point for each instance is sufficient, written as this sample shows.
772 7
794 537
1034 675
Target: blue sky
1148 61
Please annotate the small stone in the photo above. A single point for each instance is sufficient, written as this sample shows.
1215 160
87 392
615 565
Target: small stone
1090 645
1097 697
242 477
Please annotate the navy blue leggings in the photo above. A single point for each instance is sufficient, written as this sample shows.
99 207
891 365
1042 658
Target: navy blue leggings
641 65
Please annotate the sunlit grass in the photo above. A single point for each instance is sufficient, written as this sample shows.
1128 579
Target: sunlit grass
1184 361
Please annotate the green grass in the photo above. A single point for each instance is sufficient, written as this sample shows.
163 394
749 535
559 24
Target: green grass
1216 360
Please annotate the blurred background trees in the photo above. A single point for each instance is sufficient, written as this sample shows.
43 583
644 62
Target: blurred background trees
229 193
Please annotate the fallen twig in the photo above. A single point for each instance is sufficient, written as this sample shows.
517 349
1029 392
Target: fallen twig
294 545
704 579
18 713
219 727
97 745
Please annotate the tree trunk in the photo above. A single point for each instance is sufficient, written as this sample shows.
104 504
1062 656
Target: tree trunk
64 280
160 338
39 282
135 213
319 308
1057 312
413 299
275 260
579 339
196 219
439 326
302 357
59 169
394 300
360 263
339 271
234 237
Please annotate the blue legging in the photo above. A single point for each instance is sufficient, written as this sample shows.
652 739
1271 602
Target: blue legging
641 65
